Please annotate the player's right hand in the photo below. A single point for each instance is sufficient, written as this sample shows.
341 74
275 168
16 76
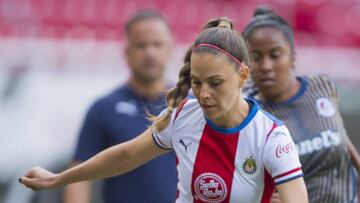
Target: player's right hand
38 179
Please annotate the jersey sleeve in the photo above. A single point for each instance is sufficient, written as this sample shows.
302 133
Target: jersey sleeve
280 156
163 138
91 136
328 85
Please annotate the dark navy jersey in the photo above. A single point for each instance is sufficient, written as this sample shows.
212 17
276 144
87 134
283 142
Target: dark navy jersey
317 129
119 117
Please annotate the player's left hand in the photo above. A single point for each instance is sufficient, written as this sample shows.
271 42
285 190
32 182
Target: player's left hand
38 178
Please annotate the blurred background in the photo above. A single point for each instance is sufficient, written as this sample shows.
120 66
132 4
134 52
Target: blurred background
57 56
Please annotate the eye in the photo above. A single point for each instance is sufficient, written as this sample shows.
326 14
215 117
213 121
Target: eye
275 54
215 83
140 45
158 44
195 82
254 57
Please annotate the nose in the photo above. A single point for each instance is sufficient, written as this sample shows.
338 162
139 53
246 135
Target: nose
150 51
204 92
266 64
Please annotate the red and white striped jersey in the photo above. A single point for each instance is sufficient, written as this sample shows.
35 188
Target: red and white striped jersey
240 164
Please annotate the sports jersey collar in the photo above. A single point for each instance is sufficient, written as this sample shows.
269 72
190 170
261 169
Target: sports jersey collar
254 107
132 94
298 95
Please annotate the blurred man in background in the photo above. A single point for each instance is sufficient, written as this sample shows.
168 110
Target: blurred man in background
119 116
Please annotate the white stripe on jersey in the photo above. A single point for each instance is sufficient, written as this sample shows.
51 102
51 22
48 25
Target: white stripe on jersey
287 176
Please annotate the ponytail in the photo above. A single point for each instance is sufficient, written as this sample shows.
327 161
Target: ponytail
174 96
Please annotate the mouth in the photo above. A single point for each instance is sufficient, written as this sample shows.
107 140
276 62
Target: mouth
266 82
207 106
151 66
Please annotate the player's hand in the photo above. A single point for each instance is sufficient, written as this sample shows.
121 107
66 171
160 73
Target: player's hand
275 198
38 178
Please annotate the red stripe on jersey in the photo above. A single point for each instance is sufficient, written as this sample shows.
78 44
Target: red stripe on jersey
269 187
214 166
179 108
177 191
272 129
287 173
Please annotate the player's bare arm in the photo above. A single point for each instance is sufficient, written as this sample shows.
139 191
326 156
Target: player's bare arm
293 191
113 161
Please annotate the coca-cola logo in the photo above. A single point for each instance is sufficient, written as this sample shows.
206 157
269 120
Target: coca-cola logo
281 150
210 187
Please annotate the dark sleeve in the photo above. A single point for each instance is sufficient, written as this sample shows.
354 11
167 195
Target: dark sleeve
91 137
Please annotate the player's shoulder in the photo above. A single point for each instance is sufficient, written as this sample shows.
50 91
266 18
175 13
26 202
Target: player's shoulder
268 117
272 125
108 99
265 117
263 121
189 102
188 106
320 81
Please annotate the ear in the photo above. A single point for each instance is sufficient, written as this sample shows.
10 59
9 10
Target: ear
244 74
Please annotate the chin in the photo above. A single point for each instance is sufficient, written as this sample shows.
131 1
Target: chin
150 79
270 95
269 90
211 115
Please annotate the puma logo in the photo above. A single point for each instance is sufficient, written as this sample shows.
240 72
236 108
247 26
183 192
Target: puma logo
181 141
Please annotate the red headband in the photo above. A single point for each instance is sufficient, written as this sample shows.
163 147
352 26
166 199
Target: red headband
222 51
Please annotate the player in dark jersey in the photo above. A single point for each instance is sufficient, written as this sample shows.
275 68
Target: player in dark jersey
308 105
120 116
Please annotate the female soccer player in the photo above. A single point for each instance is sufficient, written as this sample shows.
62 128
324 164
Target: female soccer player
228 149
308 105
